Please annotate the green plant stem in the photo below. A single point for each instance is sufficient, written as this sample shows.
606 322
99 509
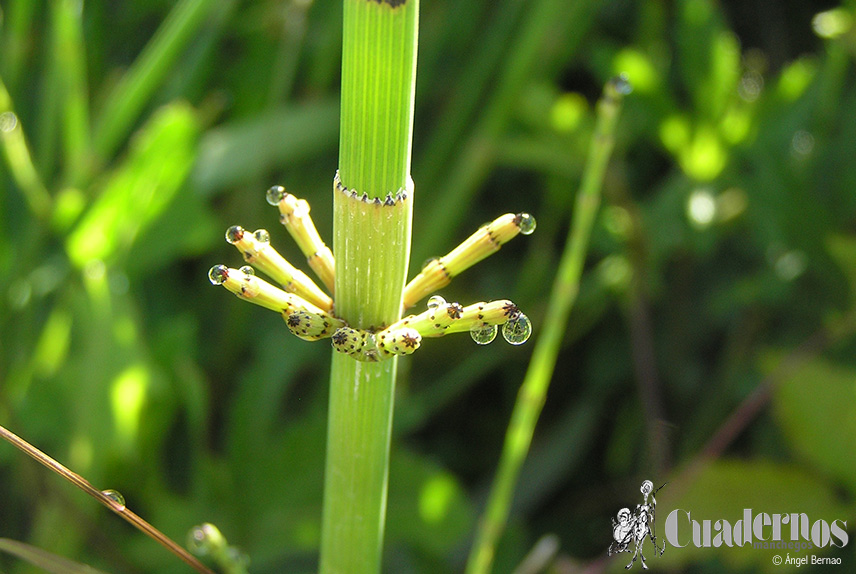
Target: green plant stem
378 87
533 391
361 395
372 247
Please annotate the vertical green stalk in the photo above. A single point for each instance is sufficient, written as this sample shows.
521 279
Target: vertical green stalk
372 206
69 62
533 391
16 47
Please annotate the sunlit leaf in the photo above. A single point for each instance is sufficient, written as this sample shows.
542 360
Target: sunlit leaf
816 407
139 190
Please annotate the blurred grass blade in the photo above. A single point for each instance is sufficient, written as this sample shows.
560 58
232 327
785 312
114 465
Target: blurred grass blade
20 160
456 178
292 37
276 138
17 39
69 63
471 88
139 190
44 559
533 391
147 73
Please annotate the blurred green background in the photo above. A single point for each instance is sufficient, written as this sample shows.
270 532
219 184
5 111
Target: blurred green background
722 270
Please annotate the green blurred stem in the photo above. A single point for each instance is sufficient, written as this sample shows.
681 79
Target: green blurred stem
147 73
533 391
20 160
372 247
69 63
17 39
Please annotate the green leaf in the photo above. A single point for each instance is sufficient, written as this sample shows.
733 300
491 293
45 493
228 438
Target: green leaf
816 407
184 229
842 248
140 189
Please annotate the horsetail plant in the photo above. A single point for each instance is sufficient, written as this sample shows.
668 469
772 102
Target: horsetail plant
372 208
311 315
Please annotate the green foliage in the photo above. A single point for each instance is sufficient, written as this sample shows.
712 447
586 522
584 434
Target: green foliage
142 130
814 407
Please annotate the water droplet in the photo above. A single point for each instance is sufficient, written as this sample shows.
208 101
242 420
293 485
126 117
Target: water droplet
234 234
116 497
261 235
526 223
483 334
435 301
428 262
621 84
517 330
8 121
247 270
751 85
218 274
802 143
275 194
199 539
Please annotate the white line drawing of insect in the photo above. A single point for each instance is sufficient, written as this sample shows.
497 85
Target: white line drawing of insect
632 528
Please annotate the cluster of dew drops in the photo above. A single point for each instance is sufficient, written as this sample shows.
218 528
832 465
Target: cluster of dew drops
518 328
515 331
219 273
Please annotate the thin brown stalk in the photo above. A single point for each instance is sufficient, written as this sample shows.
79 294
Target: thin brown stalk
104 499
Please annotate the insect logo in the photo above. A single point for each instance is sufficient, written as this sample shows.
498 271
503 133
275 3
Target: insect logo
632 528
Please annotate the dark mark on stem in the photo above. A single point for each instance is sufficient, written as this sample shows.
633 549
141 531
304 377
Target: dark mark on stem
392 3
390 201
